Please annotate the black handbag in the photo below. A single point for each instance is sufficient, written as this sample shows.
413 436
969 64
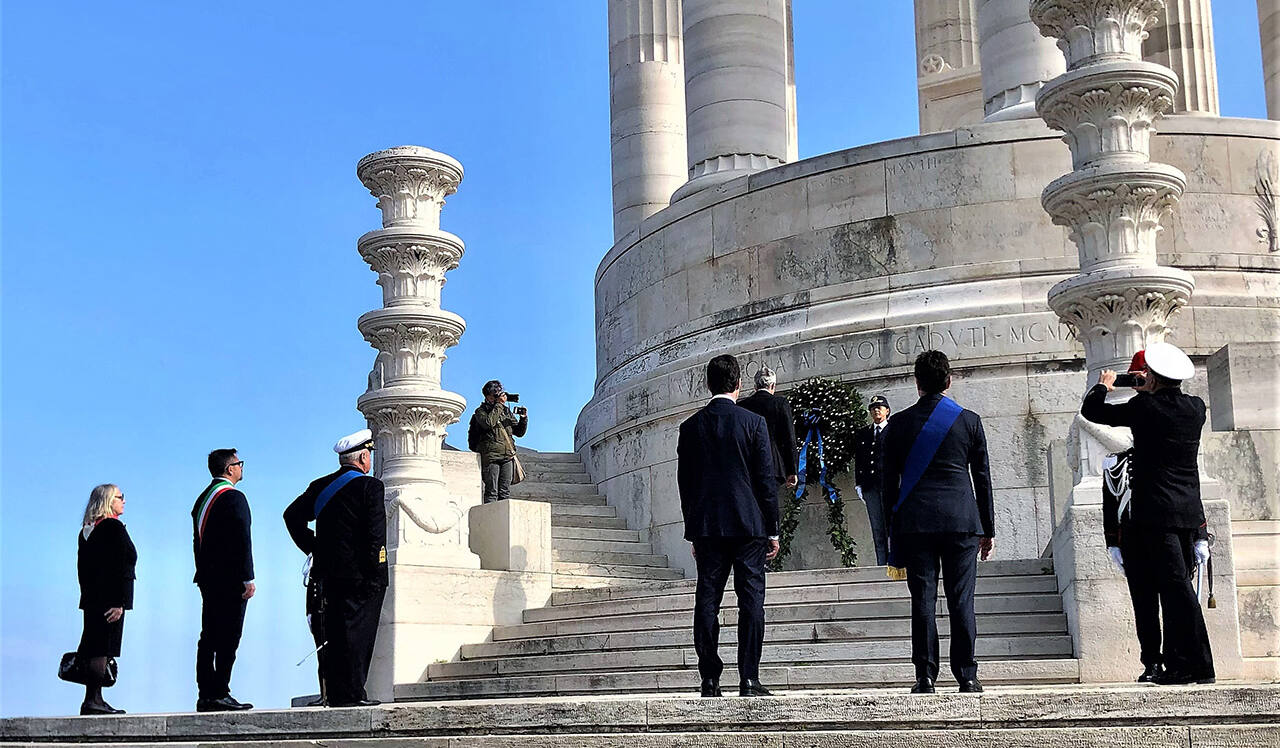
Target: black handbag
73 669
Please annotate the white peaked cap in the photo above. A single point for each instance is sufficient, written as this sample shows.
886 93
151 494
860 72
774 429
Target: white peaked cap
362 439
1169 361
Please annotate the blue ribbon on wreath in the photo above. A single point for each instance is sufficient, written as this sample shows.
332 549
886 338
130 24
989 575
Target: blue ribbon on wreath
814 436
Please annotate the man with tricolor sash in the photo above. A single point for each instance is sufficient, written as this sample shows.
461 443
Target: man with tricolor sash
349 561
937 488
224 572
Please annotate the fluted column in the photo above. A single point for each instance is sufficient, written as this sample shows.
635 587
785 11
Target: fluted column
404 404
646 104
1183 42
1269 30
736 68
1016 60
948 77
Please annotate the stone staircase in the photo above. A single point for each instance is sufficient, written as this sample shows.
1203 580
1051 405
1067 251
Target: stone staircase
835 628
592 545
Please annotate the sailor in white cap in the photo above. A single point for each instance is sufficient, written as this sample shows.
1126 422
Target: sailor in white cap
349 561
1163 535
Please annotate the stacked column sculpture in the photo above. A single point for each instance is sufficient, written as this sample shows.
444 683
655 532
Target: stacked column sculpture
404 404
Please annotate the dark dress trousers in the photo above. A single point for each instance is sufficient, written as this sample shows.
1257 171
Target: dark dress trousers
868 473
782 430
224 562
1166 517
105 564
728 494
349 559
938 525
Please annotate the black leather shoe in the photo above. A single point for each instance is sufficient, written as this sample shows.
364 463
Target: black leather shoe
240 705
98 707
710 688
923 685
361 702
1175 678
222 704
1151 672
970 686
318 701
751 687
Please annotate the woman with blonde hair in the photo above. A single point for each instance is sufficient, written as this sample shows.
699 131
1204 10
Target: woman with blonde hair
105 567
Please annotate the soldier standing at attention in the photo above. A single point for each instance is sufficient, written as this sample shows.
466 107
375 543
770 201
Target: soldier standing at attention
349 552
868 462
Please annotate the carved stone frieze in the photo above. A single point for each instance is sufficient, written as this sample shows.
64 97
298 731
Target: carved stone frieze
1114 217
1108 114
1096 30
1264 189
410 184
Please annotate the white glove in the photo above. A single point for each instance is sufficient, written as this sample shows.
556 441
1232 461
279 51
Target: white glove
1116 558
1202 551
859 491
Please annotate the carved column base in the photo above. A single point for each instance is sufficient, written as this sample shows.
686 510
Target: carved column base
721 169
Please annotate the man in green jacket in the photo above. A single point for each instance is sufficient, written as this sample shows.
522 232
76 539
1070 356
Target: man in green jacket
492 434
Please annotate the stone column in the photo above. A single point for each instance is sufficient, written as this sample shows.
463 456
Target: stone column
1183 42
1016 60
646 103
404 404
948 76
1113 205
1269 29
736 73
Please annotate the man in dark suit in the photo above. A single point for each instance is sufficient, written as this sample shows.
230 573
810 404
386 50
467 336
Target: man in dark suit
938 498
728 495
349 560
1163 535
224 572
782 425
868 473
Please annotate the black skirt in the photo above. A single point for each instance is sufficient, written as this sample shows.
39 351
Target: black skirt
100 639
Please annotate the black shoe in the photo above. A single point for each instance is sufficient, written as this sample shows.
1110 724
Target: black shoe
221 704
710 688
923 685
970 686
1151 672
318 701
360 702
98 707
239 705
1175 678
752 687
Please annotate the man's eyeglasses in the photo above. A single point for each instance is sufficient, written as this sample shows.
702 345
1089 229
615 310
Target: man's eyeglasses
237 463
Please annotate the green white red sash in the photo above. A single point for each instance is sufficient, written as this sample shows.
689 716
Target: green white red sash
216 489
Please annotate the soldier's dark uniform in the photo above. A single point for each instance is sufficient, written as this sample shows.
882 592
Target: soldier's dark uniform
349 558
868 475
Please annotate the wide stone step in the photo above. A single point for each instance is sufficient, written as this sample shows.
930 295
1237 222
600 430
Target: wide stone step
612 546
624 571
886 590
551 497
571 582
555 477
812 577
598 534
582 510
890 650
553 489
559 521
831 631
843 612
844 675
597 557
557 457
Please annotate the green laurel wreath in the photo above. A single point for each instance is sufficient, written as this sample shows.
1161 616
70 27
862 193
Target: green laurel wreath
841 412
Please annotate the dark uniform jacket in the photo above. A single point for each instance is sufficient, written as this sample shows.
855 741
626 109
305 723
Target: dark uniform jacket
105 567
1165 478
868 457
350 539
224 558
954 492
782 429
725 474
492 432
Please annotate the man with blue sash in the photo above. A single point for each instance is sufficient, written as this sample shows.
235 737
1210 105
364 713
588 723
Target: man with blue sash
349 559
937 491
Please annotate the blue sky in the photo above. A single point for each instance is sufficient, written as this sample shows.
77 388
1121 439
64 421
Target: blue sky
179 271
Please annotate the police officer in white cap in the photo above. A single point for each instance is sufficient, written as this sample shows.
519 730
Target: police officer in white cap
349 551
1164 532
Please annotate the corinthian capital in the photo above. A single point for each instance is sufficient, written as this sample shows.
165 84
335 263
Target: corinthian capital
410 183
1093 30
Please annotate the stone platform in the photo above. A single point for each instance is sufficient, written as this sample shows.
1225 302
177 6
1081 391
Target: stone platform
1238 716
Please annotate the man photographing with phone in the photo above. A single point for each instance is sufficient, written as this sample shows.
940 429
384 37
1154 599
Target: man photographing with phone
492 433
